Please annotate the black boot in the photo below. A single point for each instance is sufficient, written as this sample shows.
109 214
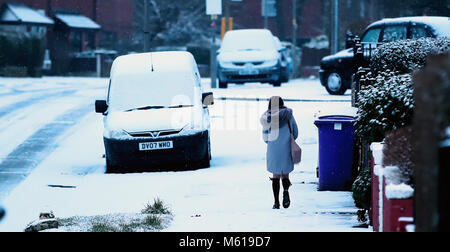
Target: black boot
286 198
276 192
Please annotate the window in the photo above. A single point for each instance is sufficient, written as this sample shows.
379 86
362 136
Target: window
372 36
394 33
418 31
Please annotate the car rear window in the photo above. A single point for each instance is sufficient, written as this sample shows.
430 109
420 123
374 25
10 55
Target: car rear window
394 33
418 31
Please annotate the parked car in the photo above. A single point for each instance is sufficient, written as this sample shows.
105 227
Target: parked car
286 61
156 113
337 70
249 56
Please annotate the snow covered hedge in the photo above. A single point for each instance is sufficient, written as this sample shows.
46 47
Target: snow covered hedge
385 106
405 56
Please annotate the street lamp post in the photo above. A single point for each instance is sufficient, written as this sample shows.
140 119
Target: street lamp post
146 32
335 22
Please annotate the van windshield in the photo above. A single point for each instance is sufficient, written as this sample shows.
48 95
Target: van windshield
248 41
129 93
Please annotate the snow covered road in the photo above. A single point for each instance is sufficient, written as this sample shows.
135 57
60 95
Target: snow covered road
51 158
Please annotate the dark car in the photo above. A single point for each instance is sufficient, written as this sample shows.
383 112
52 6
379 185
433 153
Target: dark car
336 70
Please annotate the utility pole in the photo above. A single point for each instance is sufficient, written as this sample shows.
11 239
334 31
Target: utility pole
335 25
146 32
294 22
266 18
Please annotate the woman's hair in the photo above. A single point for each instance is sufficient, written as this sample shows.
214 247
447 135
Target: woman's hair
276 103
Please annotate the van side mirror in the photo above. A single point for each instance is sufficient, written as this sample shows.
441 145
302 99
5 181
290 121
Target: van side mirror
208 99
2 213
101 106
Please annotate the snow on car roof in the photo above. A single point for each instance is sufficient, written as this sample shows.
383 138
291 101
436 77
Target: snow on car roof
244 39
441 25
250 32
20 13
163 62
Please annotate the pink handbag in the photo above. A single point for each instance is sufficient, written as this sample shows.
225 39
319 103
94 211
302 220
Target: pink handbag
296 151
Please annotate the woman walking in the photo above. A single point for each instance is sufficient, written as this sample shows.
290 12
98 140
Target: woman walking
279 126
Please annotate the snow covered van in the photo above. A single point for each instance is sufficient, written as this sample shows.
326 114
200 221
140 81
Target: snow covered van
249 56
156 113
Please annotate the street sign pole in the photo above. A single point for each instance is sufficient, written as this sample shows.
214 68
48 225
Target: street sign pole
268 10
214 9
213 53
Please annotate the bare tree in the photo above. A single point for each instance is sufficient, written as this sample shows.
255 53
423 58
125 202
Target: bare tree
174 23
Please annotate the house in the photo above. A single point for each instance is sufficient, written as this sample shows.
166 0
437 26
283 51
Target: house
19 19
70 27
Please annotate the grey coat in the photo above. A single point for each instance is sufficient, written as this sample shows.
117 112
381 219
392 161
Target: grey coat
278 139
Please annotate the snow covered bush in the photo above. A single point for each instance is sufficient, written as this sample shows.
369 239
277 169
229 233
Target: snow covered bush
386 105
405 56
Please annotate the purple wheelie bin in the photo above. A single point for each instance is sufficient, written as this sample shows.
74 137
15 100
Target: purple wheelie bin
336 150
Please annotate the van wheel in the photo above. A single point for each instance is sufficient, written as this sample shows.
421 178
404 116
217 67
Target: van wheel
335 84
206 162
111 168
223 85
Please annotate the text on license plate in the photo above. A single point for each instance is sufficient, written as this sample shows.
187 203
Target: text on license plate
156 146
249 72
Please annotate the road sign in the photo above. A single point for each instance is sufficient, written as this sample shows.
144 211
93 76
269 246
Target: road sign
214 7
269 8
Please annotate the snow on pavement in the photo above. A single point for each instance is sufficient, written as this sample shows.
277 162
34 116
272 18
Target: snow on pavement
233 195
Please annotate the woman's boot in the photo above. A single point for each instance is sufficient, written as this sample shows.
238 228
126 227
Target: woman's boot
286 198
276 192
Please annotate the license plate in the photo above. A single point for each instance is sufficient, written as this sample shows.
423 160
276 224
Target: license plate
156 146
249 72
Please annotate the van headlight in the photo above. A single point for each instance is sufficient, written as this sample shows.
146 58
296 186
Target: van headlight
193 126
115 134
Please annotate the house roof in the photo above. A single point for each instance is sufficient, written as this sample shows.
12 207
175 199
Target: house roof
76 21
12 13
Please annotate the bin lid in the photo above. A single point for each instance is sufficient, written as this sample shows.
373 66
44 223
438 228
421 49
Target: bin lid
349 113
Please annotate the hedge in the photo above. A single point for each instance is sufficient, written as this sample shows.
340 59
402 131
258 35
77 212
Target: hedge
22 51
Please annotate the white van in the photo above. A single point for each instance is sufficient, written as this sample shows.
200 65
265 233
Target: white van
249 56
156 114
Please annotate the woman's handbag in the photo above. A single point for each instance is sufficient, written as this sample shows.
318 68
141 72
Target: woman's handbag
296 151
